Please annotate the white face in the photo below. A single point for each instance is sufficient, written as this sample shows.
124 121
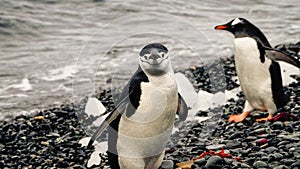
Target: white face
236 21
155 62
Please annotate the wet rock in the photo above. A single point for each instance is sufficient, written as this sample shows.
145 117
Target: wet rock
288 162
215 147
233 144
251 138
235 135
260 164
275 157
283 143
296 165
243 165
200 162
281 167
271 149
167 164
278 125
257 154
214 162
289 128
257 131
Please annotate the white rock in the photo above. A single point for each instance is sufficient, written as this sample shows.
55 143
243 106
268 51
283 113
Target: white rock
95 159
101 147
186 89
287 70
232 93
94 107
205 100
84 141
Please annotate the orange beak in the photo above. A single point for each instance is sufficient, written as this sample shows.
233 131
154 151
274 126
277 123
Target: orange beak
221 27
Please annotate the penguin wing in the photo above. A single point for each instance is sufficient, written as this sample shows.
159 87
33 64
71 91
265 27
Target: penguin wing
110 118
277 55
127 102
182 109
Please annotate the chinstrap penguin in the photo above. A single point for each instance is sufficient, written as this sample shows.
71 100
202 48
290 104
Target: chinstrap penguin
142 120
258 72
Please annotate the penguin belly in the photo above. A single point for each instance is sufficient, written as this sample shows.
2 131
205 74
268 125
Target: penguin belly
254 76
143 136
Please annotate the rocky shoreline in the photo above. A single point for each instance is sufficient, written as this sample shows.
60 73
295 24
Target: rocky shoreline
50 138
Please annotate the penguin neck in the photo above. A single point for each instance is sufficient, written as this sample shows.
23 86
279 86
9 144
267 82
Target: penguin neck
165 79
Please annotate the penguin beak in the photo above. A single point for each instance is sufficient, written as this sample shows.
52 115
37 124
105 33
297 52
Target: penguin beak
221 27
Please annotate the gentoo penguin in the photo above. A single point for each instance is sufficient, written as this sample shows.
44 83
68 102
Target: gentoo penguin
258 72
142 120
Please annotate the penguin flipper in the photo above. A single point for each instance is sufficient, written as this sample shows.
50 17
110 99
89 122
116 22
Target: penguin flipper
182 109
110 118
129 100
277 55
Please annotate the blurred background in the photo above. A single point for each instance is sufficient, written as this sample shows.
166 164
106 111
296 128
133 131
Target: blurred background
50 47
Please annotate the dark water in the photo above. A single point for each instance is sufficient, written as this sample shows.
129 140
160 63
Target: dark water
50 47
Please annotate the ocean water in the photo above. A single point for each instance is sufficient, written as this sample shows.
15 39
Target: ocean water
54 51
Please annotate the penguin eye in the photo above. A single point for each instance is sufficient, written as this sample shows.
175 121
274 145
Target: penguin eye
163 54
145 56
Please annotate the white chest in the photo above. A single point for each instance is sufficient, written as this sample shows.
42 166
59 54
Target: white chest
157 106
147 131
156 111
254 76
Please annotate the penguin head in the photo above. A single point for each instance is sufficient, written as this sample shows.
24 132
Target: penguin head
239 27
154 59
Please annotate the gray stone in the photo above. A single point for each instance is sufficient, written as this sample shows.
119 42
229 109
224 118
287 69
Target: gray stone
257 154
277 125
200 161
265 158
243 165
281 167
240 125
294 150
296 164
256 115
251 138
215 147
275 157
245 152
291 137
271 149
288 162
296 145
258 131
233 144
260 164
235 135
214 161
167 164
297 156
229 161
283 143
